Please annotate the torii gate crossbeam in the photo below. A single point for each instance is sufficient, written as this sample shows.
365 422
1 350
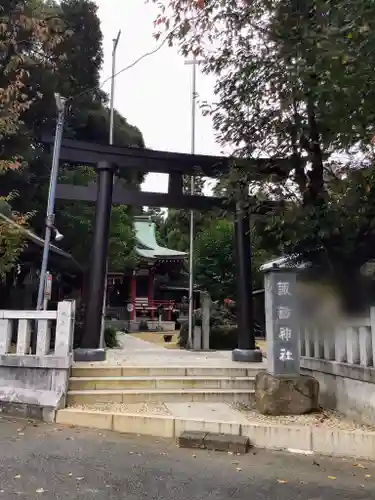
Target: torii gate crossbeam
109 159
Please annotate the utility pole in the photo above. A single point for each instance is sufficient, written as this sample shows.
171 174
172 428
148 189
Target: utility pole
50 215
112 107
111 139
194 63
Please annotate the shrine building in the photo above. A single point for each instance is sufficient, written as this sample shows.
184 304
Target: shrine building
152 286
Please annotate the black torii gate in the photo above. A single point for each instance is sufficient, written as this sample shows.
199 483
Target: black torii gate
108 160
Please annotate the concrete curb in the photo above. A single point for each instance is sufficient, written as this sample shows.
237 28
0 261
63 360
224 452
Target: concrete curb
293 438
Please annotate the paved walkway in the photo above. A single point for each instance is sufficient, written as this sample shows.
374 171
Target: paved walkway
46 462
137 352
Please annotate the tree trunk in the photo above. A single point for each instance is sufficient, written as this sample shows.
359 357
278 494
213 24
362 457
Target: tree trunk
315 175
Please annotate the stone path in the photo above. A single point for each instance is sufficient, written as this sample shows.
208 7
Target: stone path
137 352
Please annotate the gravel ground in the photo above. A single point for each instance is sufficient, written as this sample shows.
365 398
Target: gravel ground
326 418
147 408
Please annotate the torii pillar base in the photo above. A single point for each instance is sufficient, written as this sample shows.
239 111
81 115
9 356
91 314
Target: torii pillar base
89 355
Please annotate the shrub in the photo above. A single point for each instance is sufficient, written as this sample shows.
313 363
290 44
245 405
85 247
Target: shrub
110 337
143 325
223 338
222 322
223 329
183 336
78 326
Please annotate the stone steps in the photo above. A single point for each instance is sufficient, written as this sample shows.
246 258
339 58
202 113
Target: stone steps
158 382
97 384
82 370
89 397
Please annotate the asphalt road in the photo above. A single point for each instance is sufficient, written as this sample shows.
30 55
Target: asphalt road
49 462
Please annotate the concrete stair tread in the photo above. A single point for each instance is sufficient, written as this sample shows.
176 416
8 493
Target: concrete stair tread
184 410
80 366
162 371
160 377
158 391
209 367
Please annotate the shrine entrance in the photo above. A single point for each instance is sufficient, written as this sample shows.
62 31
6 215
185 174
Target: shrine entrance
110 159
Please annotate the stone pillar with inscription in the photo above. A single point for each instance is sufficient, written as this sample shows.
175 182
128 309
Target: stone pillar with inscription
282 390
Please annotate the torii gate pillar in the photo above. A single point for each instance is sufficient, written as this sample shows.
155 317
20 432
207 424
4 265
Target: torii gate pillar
90 349
246 349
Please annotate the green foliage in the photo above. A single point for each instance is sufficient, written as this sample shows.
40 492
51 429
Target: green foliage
222 321
215 262
143 326
77 218
158 216
110 337
338 237
223 338
175 232
295 81
223 328
12 242
183 335
67 59
215 266
27 35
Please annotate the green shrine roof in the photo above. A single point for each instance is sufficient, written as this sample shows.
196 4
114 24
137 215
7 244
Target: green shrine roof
146 244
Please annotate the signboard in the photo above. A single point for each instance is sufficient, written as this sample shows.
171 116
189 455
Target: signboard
130 307
282 333
48 286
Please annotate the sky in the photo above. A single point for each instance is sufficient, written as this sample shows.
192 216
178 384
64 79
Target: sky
155 95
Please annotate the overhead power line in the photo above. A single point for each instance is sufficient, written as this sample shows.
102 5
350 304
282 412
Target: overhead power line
134 63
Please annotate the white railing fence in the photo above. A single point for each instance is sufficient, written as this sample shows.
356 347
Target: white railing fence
16 329
351 342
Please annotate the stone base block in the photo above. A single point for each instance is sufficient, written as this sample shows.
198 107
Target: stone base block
224 442
214 441
191 439
29 411
286 395
247 355
89 355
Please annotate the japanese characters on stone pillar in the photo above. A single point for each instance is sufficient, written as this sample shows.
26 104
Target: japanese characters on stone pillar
283 354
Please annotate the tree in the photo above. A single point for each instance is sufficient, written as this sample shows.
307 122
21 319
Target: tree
27 35
294 80
157 215
215 260
175 231
72 67
76 219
